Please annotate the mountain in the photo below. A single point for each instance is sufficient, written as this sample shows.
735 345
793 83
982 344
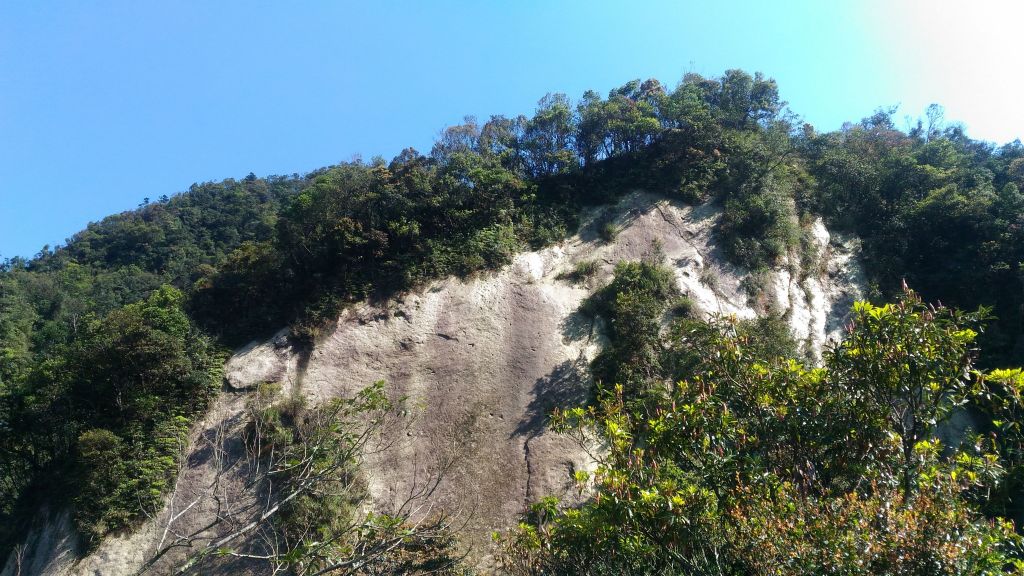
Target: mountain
527 349
481 362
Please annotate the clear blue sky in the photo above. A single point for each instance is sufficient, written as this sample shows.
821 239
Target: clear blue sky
103 104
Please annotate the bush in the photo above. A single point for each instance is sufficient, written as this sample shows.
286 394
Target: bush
683 307
581 272
634 304
768 336
753 463
609 231
757 229
708 277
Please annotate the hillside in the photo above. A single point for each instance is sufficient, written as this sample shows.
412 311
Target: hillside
483 361
545 301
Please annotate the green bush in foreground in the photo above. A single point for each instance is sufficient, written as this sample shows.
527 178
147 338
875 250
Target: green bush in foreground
758 464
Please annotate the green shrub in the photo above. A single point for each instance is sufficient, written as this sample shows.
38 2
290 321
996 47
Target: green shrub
609 231
755 285
768 336
753 463
683 307
811 262
757 229
708 277
581 272
634 304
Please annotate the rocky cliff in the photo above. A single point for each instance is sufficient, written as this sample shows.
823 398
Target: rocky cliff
480 362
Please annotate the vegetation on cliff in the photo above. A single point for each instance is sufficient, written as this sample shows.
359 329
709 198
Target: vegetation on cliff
108 344
723 457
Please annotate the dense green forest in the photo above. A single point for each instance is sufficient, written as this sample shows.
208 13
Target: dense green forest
111 345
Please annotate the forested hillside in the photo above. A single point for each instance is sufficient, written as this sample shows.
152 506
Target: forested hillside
111 345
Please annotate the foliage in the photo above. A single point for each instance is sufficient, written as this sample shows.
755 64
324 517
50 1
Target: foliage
111 412
758 223
768 336
581 272
609 231
92 371
933 207
633 305
757 464
364 231
309 513
1001 401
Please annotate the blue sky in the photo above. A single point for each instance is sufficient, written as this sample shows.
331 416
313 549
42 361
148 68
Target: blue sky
103 104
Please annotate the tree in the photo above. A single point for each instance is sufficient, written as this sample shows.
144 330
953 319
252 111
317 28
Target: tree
754 464
592 132
503 138
462 138
137 377
548 137
632 112
300 505
744 100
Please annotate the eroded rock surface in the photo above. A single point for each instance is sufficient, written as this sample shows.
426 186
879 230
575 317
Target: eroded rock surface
482 361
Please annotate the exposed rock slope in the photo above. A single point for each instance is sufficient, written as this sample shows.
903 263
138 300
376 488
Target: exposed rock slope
482 361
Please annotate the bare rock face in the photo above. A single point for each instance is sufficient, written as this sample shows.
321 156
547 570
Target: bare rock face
481 362
49 547
259 363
